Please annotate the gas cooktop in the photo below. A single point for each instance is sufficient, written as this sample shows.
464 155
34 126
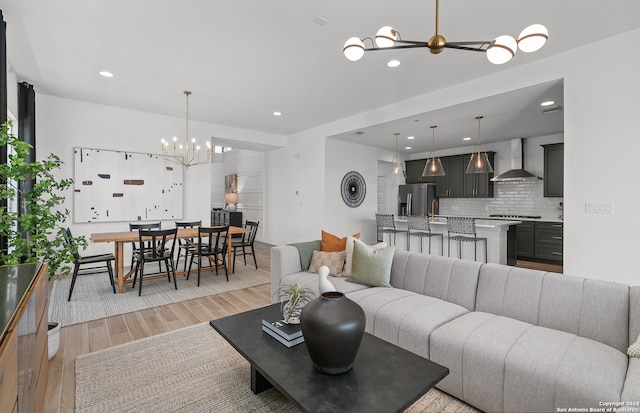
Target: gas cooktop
515 216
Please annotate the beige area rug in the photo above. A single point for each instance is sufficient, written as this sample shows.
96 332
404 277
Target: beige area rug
94 299
189 370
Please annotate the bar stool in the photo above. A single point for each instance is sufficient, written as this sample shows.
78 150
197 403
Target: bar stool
386 224
419 226
466 227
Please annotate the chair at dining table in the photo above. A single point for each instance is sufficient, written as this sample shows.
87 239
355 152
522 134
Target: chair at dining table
246 243
80 261
136 244
212 244
186 244
161 244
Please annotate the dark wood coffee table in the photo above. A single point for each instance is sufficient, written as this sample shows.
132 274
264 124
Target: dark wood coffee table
384 377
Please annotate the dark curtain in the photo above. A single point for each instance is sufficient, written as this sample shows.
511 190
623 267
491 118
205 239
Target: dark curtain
26 133
3 106
27 128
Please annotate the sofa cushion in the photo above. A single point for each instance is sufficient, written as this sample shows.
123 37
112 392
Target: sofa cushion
474 347
446 278
549 369
593 309
510 292
332 243
371 267
404 318
498 363
631 391
332 260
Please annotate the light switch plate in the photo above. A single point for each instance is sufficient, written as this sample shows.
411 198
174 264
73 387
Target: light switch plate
598 207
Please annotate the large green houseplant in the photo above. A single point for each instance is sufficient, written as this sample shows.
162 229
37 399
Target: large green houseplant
35 233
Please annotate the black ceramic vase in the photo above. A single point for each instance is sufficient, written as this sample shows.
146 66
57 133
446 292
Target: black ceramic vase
332 326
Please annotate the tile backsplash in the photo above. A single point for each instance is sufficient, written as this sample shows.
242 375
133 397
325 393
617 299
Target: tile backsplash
521 198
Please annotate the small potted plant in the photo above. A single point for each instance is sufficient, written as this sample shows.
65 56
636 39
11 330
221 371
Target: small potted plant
293 298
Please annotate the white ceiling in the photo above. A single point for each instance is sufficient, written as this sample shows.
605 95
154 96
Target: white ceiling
245 59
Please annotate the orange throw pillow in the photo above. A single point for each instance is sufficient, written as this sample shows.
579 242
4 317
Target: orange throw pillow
331 243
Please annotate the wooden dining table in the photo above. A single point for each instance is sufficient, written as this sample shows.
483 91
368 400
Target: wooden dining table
122 237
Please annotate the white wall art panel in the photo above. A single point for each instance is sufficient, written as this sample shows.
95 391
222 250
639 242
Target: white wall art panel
112 186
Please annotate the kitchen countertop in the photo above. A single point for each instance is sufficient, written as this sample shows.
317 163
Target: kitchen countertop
480 222
486 218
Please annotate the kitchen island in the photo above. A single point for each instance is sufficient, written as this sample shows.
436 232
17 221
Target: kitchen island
500 235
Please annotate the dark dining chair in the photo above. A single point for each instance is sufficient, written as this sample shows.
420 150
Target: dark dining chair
212 242
246 242
80 261
136 245
161 244
186 244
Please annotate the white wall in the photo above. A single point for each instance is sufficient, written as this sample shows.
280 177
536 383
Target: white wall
249 168
340 219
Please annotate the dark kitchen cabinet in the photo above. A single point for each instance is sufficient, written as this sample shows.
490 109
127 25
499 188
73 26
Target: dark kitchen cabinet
526 239
478 185
414 172
554 170
549 237
452 184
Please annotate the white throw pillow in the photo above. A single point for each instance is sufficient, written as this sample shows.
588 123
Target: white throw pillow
634 349
348 259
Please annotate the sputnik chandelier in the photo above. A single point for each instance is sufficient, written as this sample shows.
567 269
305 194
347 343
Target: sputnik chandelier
499 51
181 154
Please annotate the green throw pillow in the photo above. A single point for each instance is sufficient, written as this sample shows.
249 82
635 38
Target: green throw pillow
371 267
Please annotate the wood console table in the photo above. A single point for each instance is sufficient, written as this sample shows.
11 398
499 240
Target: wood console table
24 363
120 238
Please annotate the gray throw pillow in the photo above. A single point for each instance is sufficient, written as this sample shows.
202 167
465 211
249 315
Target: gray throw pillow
371 267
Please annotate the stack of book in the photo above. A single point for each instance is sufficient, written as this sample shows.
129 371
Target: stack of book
287 334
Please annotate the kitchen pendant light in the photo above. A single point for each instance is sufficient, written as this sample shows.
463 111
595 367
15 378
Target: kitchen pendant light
479 163
396 159
433 167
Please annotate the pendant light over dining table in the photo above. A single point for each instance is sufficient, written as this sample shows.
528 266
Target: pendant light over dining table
181 154
433 167
479 163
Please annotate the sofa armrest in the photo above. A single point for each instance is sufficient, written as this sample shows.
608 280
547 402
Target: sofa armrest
285 260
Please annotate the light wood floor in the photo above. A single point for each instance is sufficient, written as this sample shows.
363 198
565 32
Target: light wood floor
100 334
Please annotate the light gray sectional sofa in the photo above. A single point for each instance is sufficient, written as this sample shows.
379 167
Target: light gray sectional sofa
514 340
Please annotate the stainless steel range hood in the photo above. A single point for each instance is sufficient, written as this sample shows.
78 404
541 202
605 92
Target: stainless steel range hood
517 172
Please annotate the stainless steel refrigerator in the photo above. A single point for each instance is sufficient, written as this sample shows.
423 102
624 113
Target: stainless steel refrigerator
417 199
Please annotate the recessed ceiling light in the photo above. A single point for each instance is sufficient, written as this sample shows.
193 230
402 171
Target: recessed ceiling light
466 138
408 147
277 113
411 137
393 63
548 103
105 73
